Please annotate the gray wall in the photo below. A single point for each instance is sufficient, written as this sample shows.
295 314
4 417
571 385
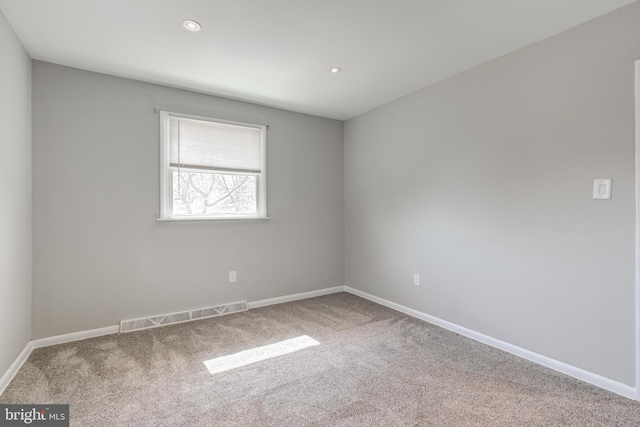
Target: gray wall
482 184
15 196
100 255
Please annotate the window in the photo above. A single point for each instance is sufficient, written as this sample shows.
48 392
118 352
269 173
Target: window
211 169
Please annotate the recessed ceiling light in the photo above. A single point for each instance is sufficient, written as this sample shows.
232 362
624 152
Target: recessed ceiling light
191 25
335 70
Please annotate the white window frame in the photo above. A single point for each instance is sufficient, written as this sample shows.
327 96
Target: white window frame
166 174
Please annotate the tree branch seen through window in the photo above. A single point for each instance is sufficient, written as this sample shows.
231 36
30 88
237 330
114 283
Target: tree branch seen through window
210 193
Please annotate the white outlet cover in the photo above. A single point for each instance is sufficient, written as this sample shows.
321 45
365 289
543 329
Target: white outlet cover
602 189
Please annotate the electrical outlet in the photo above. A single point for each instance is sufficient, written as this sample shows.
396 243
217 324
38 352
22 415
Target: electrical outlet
233 277
416 280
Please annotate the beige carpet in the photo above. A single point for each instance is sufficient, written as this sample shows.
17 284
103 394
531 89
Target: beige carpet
372 366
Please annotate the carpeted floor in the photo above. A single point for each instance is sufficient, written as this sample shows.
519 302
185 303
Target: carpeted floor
372 366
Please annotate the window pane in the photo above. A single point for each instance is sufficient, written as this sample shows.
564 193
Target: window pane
201 193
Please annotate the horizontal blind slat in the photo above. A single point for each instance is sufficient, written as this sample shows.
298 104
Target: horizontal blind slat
209 168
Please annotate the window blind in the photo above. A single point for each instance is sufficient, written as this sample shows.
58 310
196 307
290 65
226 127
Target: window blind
200 144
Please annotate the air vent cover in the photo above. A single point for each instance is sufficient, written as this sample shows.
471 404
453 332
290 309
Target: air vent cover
185 316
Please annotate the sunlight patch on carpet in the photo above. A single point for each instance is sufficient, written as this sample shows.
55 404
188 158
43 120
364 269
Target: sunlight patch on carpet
258 354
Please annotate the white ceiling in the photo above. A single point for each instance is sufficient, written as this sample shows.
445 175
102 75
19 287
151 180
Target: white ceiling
279 52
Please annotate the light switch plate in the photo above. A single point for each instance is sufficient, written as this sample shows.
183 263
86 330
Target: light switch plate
602 189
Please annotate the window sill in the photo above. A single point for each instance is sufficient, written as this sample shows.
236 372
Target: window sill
199 219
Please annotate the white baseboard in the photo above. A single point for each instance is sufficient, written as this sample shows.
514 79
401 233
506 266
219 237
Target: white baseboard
572 371
75 336
295 297
15 366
